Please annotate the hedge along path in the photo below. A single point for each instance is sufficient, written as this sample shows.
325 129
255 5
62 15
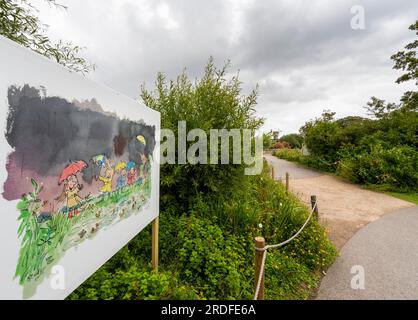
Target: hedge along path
274 246
344 207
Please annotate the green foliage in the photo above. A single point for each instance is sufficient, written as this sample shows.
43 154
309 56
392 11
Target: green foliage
287 279
207 253
382 152
210 215
294 155
135 283
294 140
313 161
213 102
410 196
18 22
323 140
212 262
394 168
267 139
408 60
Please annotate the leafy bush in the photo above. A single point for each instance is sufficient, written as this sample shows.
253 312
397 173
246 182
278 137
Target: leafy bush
137 282
294 140
212 262
380 152
289 154
208 252
286 278
212 102
323 139
313 161
280 145
388 168
210 215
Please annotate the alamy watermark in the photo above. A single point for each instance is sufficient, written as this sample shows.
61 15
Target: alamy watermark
57 280
358 20
235 146
358 281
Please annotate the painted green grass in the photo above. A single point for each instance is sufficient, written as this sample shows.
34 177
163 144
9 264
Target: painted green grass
43 244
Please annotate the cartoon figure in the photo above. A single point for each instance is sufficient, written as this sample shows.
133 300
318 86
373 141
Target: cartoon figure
107 179
71 187
121 169
132 172
100 160
141 139
144 165
45 212
143 159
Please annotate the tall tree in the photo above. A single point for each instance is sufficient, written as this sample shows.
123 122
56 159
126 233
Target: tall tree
19 22
407 60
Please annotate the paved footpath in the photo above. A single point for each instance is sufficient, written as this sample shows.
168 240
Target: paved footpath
373 230
387 252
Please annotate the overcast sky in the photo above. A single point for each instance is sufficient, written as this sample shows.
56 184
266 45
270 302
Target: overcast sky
303 54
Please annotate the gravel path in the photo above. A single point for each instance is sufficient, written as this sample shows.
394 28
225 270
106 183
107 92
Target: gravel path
386 248
343 207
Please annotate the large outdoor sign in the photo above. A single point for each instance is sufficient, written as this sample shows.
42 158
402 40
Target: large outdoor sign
79 174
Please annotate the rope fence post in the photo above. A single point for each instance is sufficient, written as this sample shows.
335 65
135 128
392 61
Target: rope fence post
261 248
287 182
272 172
314 206
260 243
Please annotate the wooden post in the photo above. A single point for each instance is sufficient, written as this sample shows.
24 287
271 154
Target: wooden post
272 172
260 242
287 182
313 201
154 247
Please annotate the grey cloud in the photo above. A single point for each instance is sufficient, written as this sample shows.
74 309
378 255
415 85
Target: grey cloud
303 54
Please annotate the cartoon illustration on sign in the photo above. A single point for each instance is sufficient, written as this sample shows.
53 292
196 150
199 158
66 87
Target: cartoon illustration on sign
75 170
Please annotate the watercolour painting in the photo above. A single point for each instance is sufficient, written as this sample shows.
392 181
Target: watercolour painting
79 174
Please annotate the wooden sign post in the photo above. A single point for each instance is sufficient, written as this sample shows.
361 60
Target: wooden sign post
154 249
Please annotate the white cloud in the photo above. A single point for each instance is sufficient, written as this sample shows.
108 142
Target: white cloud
303 54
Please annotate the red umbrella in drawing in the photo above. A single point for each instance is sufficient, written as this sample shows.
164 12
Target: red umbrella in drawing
72 169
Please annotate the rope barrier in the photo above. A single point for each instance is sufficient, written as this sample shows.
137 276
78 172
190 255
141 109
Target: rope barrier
265 248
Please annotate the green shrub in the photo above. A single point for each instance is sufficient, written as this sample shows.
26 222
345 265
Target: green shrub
323 140
208 253
137 282
286 278
212 262
387 168
289 154
314 161
213 102
379 152
210 215
294 140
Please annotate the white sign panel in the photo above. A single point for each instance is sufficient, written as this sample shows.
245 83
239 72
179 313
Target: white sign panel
79 174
